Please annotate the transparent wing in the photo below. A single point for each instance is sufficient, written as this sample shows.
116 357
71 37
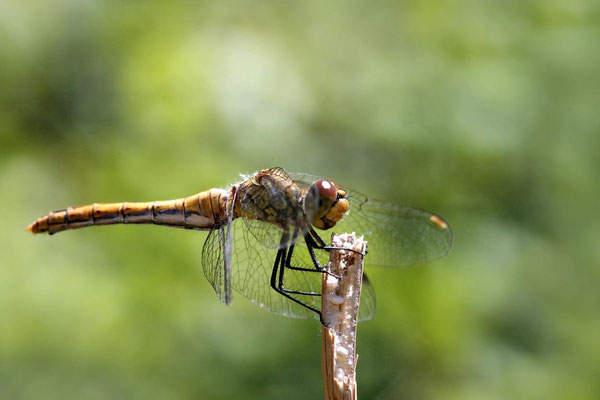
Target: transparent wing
303 181
252 270
396 235
280 172
366 310
252 265
266 234
213 261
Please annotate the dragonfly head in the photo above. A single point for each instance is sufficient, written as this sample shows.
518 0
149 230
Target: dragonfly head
325 204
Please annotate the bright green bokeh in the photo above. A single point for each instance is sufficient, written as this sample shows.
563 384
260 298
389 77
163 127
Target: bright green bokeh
484 112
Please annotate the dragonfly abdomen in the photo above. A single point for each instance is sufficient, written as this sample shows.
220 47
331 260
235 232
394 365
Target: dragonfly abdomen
200 211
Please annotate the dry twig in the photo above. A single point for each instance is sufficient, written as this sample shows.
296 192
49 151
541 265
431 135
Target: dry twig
339 305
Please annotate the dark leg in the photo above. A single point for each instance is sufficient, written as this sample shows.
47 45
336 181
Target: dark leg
318 243
317 239
280 263
310 244
317 266
287 263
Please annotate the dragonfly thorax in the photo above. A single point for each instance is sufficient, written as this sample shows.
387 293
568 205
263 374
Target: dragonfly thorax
269 197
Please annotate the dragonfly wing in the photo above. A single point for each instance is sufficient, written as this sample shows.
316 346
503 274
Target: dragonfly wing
396 235
252 266
266 234
366 310
280 172
303 180
213 261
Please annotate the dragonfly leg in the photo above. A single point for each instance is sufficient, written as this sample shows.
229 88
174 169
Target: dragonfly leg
318 243
312 245
277 284
287 264
316 264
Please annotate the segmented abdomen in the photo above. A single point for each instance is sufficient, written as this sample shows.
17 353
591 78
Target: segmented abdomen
200 211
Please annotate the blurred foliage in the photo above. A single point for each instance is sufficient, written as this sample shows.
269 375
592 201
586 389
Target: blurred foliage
485 112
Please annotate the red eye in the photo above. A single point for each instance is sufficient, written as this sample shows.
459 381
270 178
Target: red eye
327 189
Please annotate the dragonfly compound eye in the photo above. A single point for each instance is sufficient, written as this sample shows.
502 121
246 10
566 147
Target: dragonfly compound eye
327 189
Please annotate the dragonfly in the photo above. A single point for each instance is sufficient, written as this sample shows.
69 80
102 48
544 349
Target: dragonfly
264 239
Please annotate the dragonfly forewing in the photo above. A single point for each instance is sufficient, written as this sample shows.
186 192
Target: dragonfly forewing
396 235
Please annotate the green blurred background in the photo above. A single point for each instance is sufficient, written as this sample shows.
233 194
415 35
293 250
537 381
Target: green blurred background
484 112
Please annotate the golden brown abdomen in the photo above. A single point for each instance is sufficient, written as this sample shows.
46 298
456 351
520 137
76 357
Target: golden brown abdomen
200 211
